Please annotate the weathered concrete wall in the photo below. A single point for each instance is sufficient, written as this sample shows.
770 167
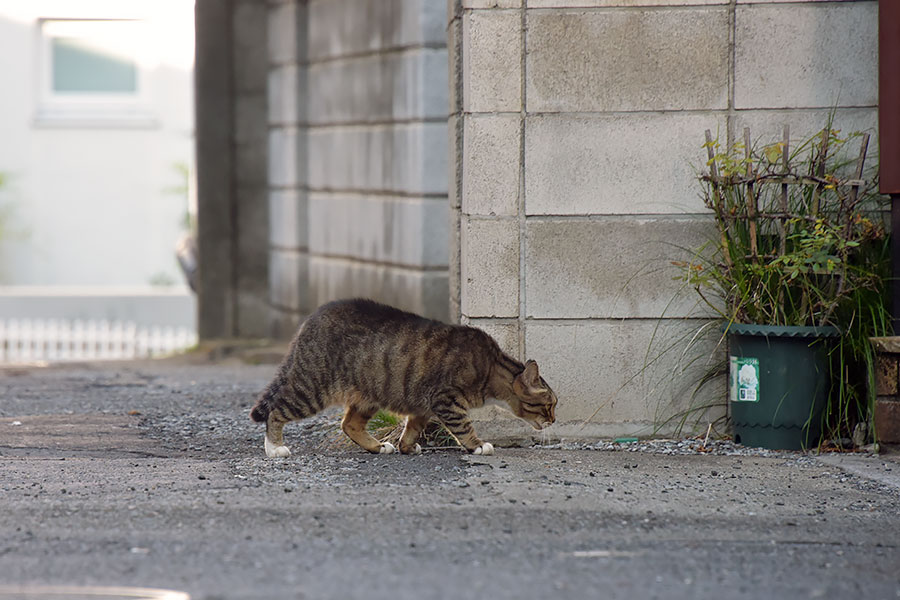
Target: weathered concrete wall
288 231
576 126
230 83
358 154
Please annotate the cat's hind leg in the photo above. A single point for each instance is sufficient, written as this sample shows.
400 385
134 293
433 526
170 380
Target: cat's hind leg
274 443
354 425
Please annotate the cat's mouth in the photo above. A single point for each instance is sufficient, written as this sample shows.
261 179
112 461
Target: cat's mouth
539 426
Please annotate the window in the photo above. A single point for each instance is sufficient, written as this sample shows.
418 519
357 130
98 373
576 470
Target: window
79 66
92 73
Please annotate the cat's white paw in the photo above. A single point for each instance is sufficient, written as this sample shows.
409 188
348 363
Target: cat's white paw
273 451
484 449
417 449
387 448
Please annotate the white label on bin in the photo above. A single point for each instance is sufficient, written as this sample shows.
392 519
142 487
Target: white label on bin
744 374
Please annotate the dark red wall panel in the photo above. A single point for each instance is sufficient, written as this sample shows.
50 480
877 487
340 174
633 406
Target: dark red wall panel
889 94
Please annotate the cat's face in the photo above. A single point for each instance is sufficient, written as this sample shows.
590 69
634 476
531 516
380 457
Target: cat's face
533 400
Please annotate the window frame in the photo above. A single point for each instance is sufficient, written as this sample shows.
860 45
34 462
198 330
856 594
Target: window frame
88 109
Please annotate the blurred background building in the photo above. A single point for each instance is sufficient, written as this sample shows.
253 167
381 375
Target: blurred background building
96 157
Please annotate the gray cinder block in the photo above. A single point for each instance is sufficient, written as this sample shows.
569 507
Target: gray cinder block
628 60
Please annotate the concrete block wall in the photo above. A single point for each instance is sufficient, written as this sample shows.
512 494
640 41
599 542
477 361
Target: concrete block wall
250 181
232 183
288 196
358 155
576 128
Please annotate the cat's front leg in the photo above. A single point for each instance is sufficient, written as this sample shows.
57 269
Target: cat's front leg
459 425
412 429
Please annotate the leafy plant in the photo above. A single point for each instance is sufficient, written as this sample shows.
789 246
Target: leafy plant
800 240
383 420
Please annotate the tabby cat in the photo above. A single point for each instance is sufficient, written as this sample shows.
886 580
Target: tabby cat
368 356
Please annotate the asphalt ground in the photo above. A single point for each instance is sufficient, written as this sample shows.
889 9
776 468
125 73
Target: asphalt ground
151 474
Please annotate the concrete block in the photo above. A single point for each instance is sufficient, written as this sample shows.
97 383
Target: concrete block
886 371
283 95
615 164
491 164
766 126
489 267
627 60
455 170
288 279
251 59
252 238
453 269
454 58
250 165
632 375
428 160
251 119
617 3
253 313
407 85
492 65
504 332
610 268
432 23
454 9
409 158
288 219
432 78
494 4
346 27
284 39
421 292
887 420
284 164
812 55
283 324
435 296
402 231
252 262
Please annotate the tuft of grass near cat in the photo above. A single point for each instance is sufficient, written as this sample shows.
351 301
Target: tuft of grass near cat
387 427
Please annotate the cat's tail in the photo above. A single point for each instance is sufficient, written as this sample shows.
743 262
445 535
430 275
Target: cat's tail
259 413
262 408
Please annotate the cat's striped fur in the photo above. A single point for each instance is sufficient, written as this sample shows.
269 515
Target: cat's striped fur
368 356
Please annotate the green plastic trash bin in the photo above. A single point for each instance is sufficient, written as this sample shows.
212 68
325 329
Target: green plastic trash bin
777 384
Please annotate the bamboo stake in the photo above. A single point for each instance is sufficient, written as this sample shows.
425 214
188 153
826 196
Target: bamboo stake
717 196
751 197
820 170
854 190
785 159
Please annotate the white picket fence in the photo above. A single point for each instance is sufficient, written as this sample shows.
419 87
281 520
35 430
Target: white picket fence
32 340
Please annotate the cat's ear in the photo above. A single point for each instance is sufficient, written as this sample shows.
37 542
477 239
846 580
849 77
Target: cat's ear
531 379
